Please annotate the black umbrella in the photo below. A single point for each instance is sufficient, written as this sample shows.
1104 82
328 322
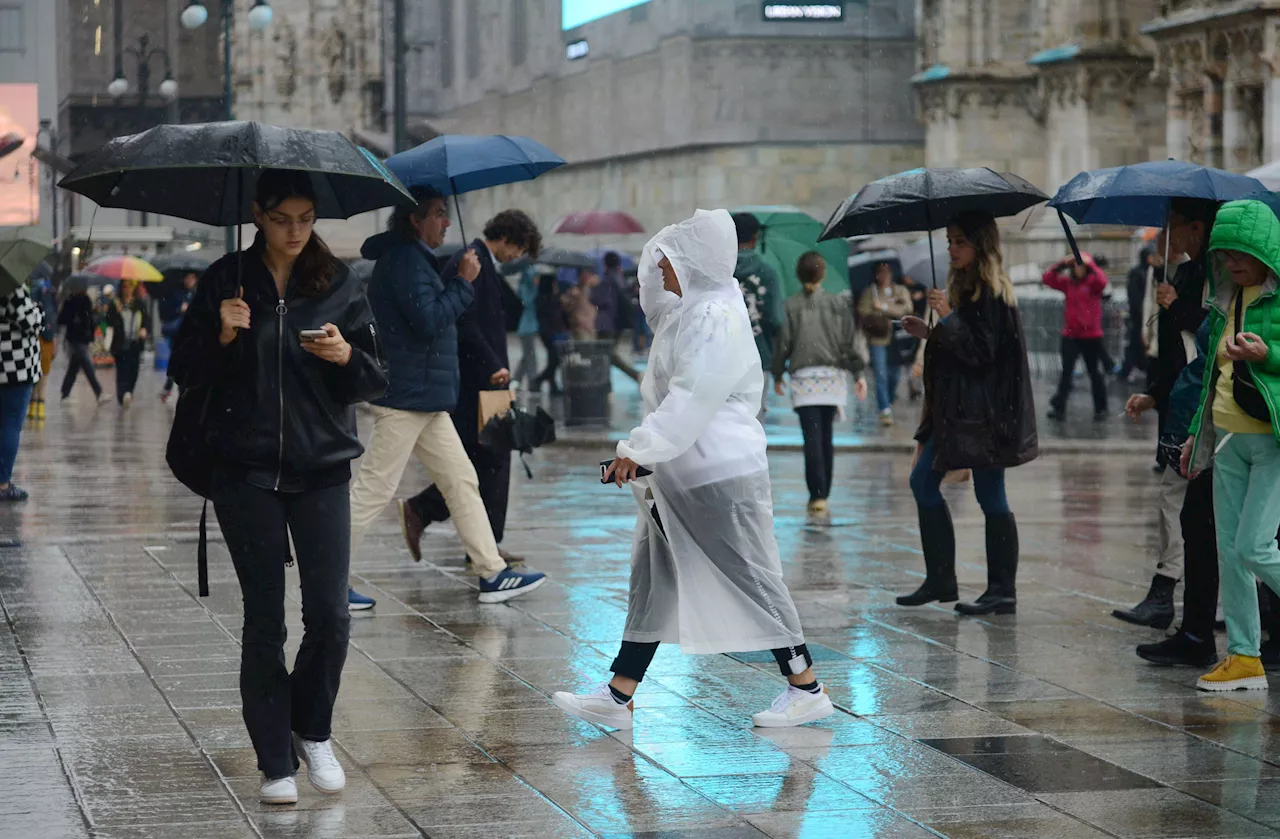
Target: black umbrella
180 263
208 172
557 258
925 199
520 431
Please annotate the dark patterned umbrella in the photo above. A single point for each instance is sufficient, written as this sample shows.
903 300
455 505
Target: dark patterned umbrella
208 172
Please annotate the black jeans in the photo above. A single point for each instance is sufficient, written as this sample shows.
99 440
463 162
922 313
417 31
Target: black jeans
128 363
79 360
819 453
548 373
1092 351
256 524
634 659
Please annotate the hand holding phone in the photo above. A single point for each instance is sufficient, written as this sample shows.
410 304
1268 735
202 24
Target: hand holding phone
313 334
606 478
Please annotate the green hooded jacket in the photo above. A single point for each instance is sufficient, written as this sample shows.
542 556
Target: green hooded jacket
762 289
1251 227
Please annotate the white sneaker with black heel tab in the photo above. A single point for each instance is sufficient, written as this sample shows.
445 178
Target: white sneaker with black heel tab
598 707
795 707
323 770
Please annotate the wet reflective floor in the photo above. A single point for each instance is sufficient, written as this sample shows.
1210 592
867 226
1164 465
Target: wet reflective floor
119 711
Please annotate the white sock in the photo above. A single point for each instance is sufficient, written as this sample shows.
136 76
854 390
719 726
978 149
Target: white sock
493 578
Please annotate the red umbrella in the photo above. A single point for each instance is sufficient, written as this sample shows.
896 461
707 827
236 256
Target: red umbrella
599 223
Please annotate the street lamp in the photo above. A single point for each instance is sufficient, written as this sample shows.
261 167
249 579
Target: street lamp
193 17
119 86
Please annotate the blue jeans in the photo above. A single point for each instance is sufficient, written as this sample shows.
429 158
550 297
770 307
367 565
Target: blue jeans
886 377
988 485
13 413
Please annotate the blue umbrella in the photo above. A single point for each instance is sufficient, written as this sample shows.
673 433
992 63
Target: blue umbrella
457 163
1138 195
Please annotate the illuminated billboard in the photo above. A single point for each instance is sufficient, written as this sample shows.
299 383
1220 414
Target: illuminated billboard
574 13
19 172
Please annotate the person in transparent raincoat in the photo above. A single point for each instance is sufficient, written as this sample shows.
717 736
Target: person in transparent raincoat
705 570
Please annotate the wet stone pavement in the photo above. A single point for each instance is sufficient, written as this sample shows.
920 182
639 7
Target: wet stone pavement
119 708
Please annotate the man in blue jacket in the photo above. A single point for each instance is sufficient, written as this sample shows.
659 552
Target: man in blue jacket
482 360
417 311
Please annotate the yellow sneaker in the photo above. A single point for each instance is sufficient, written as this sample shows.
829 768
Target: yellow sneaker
1235 672
31 409
818 507
40 410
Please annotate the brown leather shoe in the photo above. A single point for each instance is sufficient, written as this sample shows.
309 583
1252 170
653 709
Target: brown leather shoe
411 527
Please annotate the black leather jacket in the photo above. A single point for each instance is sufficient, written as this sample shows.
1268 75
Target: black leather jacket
279 417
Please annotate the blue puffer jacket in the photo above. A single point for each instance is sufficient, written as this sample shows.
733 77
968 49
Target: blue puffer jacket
418 315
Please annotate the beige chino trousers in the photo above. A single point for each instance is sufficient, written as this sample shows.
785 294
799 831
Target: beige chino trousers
434 440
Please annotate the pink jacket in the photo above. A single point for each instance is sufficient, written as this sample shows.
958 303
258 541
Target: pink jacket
1084 298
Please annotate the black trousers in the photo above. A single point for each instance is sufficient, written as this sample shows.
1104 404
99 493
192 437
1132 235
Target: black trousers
493 470
256 524
819 453
634 659
79 360
128 363
1200 571
548 373
1092 351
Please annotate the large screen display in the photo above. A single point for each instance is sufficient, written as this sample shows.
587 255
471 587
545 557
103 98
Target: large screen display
574 13
19 174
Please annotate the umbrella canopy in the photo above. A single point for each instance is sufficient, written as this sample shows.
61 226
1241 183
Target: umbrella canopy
181 263
21 251
599 223
786 234
456 163
208 172
559 258
597 257
1269 174
121 267
925 199
1138 195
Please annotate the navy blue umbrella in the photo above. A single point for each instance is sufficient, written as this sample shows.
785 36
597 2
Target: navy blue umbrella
1138 195
457 163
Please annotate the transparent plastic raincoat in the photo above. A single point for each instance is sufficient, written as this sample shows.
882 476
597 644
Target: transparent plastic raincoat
705 570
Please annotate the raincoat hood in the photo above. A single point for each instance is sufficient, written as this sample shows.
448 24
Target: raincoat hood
703 250
1247 226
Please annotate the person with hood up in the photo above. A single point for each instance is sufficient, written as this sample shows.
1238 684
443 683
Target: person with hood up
418 307
978 414
705 569
761 288
1083 283
1237 428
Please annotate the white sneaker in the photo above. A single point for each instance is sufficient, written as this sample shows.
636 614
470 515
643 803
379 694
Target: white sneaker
128 400
279 791
598 707
323 770
795 707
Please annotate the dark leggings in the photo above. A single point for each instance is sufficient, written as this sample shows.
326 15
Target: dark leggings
634 659
256 524
80 361
819 454
548 373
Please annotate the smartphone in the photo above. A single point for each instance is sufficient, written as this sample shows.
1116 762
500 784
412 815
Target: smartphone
313 334
604 470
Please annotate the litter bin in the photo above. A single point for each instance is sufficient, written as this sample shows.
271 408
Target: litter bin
585 369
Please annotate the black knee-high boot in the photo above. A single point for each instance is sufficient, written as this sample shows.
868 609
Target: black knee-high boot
1001 596
938 539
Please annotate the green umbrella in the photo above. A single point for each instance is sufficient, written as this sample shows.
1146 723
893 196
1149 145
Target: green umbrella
786 233
21 249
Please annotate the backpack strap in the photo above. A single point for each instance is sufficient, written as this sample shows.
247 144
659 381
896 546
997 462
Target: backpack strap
202 550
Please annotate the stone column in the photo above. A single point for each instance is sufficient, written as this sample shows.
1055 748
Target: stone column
1271 119
1213 88
1175 122
1232 127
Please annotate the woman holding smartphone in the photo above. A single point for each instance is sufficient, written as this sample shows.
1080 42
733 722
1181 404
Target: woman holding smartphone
284 340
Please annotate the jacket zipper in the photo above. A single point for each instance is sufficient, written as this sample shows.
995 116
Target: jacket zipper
281 311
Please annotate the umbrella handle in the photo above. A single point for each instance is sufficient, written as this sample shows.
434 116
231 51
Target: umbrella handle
1071 240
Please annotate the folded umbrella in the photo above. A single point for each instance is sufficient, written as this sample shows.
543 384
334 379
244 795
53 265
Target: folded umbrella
124 267
208 172
520 431
926 199
599 223
21 251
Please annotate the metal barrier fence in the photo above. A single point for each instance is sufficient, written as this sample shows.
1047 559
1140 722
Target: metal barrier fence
1042 318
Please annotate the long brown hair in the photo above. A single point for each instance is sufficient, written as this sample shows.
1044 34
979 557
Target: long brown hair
986 273
316 265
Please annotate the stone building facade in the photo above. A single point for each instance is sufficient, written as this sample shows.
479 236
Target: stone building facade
676 104
1044 89
1220 65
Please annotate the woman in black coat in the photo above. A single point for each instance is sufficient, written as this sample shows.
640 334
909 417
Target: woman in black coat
978 414
281 339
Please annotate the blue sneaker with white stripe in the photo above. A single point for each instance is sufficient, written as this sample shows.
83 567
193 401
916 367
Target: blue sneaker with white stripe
508 584
357 602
